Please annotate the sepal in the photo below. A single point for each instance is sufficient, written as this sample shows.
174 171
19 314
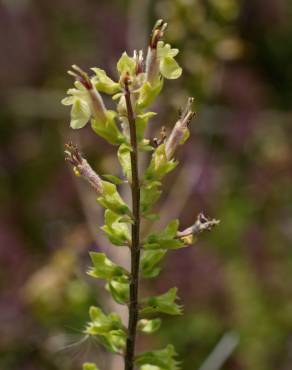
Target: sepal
166 239
112 200
159 165
158 360
108 329
126 64
125 160
149 326
119 290
103 83
116 228
108 129
104 268
149 262
164 303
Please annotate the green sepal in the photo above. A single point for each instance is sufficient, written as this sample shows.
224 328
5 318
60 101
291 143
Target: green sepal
104 268
125 159
149 326
112 200
108 129
108 329
158 360
159 165
119 290
152 216
164 303
89 366
126 64
116 228
165 239
150 193
103 83
113 179
141 124
149 261
148 92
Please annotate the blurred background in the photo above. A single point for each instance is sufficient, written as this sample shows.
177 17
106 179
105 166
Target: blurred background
235 283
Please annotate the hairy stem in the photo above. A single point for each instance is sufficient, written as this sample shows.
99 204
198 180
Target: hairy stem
135 248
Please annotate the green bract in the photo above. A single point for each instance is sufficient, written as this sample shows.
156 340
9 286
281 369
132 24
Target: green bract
158 360
103 83
164 303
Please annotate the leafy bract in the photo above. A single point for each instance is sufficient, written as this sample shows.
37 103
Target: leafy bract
149 326
103 83
104 268
119 290
116 229
108 329
165 239
89 366
150 193
159 165
164 303
149 261
126 64
148 92
112 200
108 129
158 360
125 159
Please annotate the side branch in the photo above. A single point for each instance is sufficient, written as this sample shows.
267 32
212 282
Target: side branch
135 248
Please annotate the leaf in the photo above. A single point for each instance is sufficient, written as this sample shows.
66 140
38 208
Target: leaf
165 239
125 160
103 83
104 268
119 290
108 130
164 303
159 165
149 326
116 228
113 179
108 329
112 200
150 193
149 261
89 366
158 360
126 64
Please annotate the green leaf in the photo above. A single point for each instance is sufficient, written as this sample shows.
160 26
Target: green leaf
103 83
119 290
159 165
149 261
165 239
104 268
108 130
148 93
112 200
116 228
113 179
164 303
125 160
126 64
158 360
150 193
89 366
108 329
149 326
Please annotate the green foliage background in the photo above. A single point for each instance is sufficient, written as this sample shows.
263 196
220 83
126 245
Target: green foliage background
237 63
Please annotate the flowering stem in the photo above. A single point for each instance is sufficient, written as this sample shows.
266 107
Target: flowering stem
135 247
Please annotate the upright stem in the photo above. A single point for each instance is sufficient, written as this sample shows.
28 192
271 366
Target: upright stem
135 247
